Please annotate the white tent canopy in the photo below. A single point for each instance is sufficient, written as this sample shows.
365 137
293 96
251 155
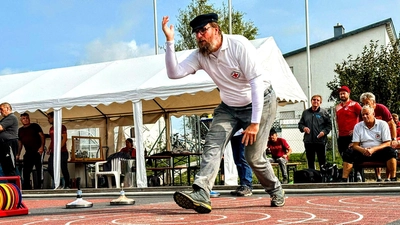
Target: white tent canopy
132 88
144 78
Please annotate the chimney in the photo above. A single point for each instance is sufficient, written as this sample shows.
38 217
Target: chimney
338 30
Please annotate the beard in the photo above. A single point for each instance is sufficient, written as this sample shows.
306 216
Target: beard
344 99
205 48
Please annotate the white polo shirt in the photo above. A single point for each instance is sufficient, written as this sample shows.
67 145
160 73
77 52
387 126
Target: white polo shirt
375 136
232 68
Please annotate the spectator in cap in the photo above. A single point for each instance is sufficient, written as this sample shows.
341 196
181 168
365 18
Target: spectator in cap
280 151
347 116
248 102
381 112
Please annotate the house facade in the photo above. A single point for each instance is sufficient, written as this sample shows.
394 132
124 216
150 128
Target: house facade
324 56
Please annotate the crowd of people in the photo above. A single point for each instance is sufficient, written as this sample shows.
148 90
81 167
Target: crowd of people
366 133
29 136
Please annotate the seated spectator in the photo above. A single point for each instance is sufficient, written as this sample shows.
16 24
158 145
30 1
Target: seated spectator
129 148
126 153
280 151
371 142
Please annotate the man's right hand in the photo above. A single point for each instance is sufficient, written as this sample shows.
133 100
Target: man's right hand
168 31
306 130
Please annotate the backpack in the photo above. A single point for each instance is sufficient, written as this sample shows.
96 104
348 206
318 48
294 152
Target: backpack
307 176
330 173
154 181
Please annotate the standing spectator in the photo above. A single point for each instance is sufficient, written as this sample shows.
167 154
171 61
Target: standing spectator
371 142
381 112
8 139
316 124
31 137
64 152
280 151
244 170
248 101
347 116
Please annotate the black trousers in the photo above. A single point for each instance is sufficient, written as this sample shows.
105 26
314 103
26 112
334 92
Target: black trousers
32 159
311 150
64 167
8 149
343 143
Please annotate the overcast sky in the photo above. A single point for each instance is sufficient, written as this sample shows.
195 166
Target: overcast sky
42 34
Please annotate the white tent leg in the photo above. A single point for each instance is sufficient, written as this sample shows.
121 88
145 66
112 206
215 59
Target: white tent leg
141 178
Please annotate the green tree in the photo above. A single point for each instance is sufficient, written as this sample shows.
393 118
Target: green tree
197 7
376 70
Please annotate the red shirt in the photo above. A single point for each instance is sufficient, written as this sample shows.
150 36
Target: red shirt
278 148
382 113
127 150
51 133
398 128
347 116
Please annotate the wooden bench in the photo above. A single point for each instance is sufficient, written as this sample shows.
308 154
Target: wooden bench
290 166
361 166
157 171
178 170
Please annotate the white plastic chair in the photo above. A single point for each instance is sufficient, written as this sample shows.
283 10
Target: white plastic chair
115 171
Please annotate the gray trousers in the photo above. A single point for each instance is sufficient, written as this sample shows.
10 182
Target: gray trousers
227 120
282 165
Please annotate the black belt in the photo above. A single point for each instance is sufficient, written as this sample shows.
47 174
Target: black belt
268 90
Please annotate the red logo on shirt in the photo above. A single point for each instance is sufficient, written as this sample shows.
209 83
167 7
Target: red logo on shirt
235 74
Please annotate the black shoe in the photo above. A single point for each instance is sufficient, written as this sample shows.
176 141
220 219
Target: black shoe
394 179
26 187
379 180
244 191
235 191
343 180
197 200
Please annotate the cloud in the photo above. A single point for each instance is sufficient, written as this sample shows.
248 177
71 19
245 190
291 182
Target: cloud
102 51
119 41
6 71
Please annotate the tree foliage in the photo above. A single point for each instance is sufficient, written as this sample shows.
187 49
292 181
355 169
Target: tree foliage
197 7
377 70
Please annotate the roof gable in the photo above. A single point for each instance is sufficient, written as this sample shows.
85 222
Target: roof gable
389 29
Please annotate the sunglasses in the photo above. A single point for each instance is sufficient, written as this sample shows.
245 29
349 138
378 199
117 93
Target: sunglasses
201 31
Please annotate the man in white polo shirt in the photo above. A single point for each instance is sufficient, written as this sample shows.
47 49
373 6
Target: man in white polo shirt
248 102
371 142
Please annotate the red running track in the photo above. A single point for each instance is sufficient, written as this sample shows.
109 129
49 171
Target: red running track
379 209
